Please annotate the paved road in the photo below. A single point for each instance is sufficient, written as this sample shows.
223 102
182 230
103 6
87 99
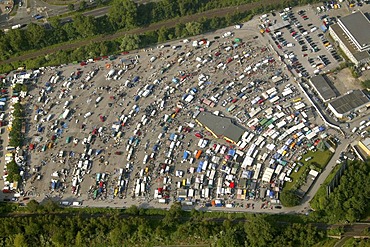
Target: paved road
24 14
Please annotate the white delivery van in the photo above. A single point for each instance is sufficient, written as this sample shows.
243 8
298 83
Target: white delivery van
87 115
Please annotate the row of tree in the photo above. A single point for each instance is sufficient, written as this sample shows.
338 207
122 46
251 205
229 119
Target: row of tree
171 229
350 199
15 134
15 140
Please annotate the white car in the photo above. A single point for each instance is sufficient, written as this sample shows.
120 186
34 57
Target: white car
308 158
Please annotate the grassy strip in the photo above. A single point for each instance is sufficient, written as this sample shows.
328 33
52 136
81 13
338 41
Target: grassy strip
320 158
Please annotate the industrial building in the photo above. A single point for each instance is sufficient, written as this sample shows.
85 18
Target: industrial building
352 35
322 86
365 145
353 101
220 127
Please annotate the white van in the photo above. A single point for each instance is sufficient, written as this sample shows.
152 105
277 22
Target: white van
145 159
87 115
362 122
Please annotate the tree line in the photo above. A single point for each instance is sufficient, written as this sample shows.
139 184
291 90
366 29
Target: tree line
170 229
349 202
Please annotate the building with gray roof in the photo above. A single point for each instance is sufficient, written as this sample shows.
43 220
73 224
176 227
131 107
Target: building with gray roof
353 101
220 127
323 87
352 35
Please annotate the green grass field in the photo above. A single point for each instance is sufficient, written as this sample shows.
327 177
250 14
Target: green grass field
321 158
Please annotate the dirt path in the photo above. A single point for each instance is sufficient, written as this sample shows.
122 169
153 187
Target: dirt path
152 27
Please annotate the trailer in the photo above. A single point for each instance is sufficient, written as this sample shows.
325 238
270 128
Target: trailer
111 73
65 113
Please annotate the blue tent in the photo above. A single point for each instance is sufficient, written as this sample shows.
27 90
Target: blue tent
231 152
199 168
271 194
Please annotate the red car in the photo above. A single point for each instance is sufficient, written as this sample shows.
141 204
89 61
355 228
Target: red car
214 146
102 118
198 135
83 63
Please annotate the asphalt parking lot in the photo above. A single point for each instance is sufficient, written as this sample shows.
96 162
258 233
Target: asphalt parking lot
302 42
121 130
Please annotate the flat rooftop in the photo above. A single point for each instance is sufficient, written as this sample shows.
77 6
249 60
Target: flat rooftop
366 142
322 85
350 101
350 46
358 25
221 126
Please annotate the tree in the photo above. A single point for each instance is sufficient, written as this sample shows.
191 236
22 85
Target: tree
162 34
348 201
129 42
71 7
173 215
35 35
79 242
33 206
13 172
289 198
259 231
366 84
83 5
50 205
17 40
180 30
20 240
123 14
194 28
85 25
133 210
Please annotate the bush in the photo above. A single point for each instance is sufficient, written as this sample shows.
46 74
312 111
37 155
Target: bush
289 198
366 84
